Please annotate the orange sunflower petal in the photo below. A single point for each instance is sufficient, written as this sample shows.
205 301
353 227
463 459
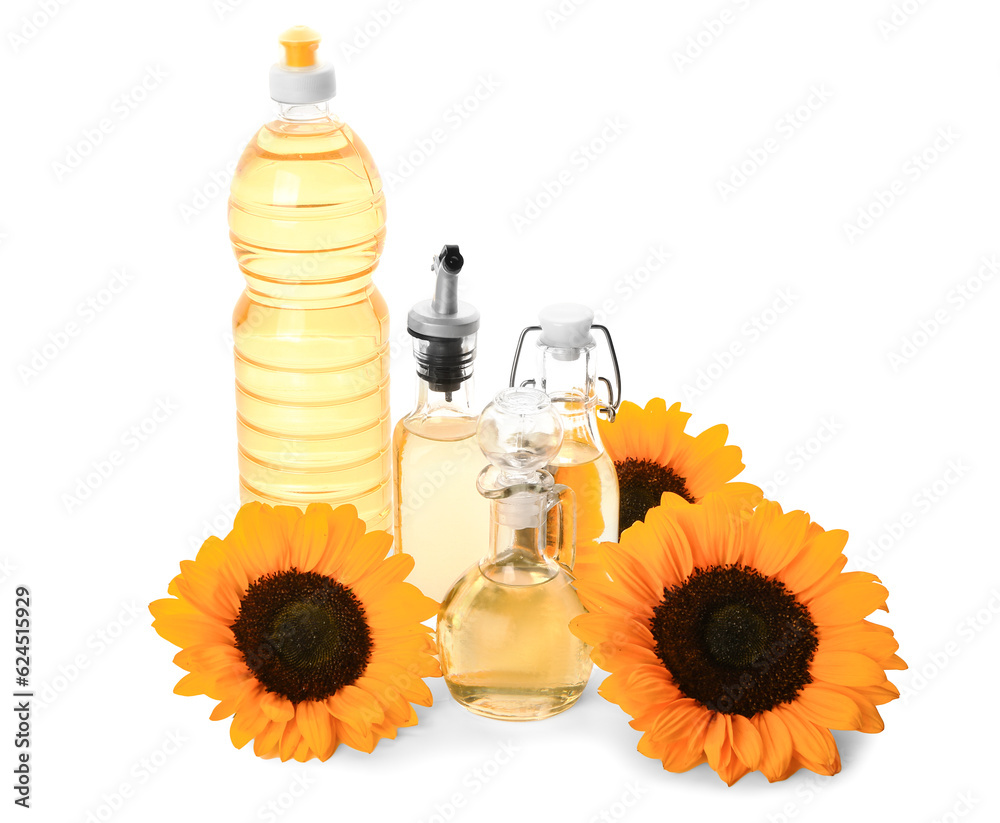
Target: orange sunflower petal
365 556
266 743
308 542
848 602
291 739
777 745
277 708
813 743
246 725
315 724
829 707
846 668
345 528
746 742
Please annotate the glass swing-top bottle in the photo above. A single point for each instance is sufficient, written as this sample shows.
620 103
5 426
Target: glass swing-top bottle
503 629
566 371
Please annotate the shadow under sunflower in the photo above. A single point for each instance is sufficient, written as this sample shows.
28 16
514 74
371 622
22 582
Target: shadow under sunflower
304 631
737 639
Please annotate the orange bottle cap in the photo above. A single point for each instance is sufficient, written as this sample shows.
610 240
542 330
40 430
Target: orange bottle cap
300 44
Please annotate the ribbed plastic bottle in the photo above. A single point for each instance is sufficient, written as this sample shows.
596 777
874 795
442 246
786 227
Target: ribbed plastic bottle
307 224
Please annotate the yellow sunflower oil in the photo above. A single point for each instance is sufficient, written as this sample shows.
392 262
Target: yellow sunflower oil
506 647
584 466
441 520
310 332
503 633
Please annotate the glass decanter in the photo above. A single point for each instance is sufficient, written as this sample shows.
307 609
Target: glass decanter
503 629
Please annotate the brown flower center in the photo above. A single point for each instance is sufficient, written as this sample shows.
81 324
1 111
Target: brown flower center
641 484
303 635
734 640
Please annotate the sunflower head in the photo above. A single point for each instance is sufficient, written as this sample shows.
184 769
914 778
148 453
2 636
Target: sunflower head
736 638
303 630
653 456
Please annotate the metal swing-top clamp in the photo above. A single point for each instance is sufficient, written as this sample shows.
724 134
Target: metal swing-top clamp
566 330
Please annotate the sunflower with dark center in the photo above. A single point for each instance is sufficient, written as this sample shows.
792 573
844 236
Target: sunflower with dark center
736 638
304 631
653 456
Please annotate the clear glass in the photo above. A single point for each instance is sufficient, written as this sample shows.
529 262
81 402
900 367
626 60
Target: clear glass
568 377
440 517
311 331
503 630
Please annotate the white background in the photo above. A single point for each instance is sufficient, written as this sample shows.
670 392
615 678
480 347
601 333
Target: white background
847 358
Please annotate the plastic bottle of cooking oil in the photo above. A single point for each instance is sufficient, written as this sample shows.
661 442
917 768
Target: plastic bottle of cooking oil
503 629
440 518
307 224
566 371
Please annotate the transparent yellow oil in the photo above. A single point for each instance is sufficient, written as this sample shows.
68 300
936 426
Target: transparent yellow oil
441 519
588 470
591 475
307 224
506 648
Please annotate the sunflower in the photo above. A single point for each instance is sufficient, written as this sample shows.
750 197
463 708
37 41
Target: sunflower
303 630
653 455
736 638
